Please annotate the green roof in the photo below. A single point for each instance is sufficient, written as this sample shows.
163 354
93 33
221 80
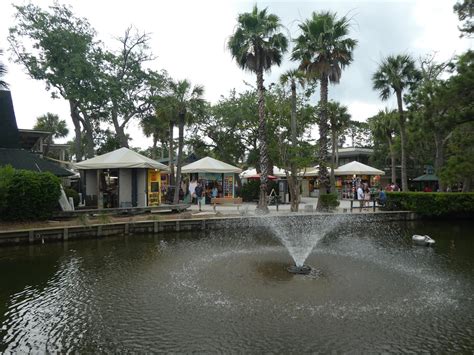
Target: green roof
23 159
426 177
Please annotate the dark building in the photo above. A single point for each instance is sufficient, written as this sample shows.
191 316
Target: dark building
11 152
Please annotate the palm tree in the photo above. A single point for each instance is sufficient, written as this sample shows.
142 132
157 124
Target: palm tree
50 122
293 76
157 127
339 119
256 45
3 71
186 102
397 73
384 124
324 50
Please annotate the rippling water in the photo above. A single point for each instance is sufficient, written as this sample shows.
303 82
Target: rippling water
228 291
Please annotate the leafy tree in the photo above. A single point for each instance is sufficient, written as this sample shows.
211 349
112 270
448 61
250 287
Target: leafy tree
59 48
339 120
3 71
324 50
256 45
465 11
50 122
398 74
127 85
460 162
384 126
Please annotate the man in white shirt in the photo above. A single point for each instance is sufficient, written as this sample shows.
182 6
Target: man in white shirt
360 196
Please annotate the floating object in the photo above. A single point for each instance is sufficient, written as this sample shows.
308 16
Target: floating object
423 240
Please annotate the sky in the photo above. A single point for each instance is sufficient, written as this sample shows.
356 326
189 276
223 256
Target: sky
189 39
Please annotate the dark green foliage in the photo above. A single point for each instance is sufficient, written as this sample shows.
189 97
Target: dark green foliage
329 202
431 205
28 195
72 193
251 190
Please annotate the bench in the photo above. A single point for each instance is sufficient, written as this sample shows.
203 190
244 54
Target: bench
226 201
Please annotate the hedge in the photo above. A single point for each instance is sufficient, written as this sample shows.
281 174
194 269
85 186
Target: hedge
432 204
27 195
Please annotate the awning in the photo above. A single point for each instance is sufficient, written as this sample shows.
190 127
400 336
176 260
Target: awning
426 177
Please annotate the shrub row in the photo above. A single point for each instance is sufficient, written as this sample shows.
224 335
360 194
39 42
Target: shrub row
436 204
27 195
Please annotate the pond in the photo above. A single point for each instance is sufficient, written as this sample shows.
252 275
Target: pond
371 290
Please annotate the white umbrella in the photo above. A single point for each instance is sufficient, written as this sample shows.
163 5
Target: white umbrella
209 165
356 168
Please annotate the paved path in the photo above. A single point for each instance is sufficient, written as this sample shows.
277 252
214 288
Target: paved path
249 207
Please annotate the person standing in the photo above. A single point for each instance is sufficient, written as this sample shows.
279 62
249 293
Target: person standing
360 196
192 188
198 191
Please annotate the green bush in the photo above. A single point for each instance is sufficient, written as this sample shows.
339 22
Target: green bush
432 204
251 190
72 193
28 195
328 202
6 174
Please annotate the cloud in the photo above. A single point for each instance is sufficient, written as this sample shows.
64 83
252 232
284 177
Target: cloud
189 40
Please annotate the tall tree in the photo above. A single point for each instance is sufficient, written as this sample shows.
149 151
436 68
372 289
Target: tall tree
186 102
256 45
384 126
397 74
155 126
59 48
339 119
3 71
126 83
50 122
293 77
465 12
324 50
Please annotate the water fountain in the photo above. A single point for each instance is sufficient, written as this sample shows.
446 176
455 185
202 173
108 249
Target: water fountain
369 290
300 234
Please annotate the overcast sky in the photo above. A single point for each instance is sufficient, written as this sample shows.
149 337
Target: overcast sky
189 39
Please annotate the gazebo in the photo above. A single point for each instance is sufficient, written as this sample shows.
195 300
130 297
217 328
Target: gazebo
122 178
352 174
213 172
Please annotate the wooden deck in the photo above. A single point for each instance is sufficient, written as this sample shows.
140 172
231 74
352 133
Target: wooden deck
123 210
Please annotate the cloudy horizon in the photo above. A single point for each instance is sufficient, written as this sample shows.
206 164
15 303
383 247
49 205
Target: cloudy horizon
189 40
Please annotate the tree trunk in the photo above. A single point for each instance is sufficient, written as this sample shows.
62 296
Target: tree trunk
171 162
324 185
153 148
262 136
180 156
392 159
439 158
333 161
119 130
293 180
402 141
77 130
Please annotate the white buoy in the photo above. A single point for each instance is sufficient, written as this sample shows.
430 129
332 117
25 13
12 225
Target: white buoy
423 240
